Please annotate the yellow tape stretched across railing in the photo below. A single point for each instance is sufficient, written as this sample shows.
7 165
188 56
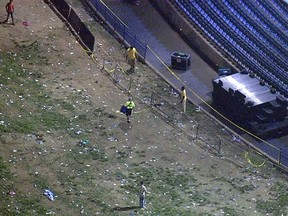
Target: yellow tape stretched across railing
92 56
208 105
167 67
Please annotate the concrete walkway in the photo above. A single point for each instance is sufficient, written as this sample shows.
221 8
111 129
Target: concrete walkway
145 21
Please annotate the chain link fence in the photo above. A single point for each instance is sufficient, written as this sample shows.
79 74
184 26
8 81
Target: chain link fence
86 38
200 127
185 122
126 35
196 124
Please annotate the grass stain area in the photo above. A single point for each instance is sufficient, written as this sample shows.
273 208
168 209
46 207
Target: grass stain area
28 108
278 205
13 201
25 105
30 53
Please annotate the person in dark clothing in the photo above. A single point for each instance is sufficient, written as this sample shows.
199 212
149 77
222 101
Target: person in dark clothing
142 195
10 11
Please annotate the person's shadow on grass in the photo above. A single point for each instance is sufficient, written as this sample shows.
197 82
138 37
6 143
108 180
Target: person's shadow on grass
6 23
126 208
124 126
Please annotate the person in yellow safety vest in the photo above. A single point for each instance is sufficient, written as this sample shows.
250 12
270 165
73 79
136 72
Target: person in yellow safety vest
131 56
130 106
183 98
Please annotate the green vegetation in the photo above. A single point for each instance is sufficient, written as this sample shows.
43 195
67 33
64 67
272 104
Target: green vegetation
24 205
277 206
4 171
21 92
30 53
229 211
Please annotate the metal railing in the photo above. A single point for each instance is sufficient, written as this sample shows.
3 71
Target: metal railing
87 39
214 140
119 28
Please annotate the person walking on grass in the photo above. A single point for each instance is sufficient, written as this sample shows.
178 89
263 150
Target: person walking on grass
142 195
183 98
130 105
10 11
131 56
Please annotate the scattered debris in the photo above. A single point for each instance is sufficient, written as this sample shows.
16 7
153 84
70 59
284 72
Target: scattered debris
78 132
235 138
11 193
198 109
112 139
84 142
26 23
49 194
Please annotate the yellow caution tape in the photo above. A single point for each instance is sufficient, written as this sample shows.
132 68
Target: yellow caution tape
207 104
249 161
178 78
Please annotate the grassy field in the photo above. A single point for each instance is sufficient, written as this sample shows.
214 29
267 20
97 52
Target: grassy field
60 130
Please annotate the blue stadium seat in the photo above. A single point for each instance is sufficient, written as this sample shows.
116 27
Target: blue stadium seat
243 36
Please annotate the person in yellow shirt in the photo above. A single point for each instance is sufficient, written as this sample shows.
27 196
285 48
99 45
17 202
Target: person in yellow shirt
130 106
131 56
183 98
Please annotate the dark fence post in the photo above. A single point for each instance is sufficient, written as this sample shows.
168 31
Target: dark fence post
219 146
124 33
144 56
130 85
152 99
280 156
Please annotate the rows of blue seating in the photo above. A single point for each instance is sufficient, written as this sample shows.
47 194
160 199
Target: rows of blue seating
273 14
238 42
265 29
223 39
279 42
247 44
281 7
274 60
240 38
271 25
